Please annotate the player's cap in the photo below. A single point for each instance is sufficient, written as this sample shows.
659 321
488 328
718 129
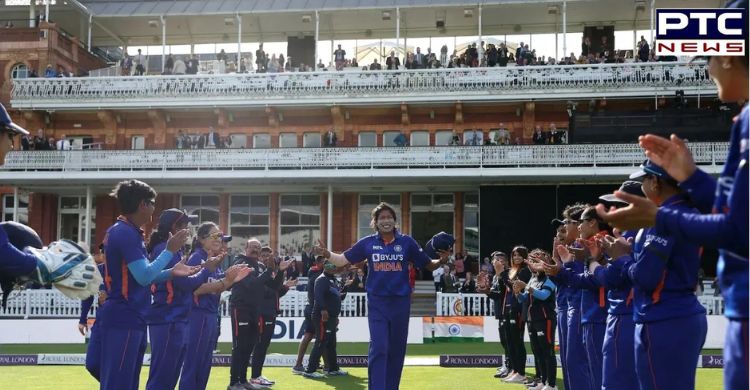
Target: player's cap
226 238
440 241
171 217
6 124
556 223
21 236
631 187
498 254
649 168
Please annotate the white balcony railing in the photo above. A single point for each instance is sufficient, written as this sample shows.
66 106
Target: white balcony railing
346 158
430 85
53 304
481 305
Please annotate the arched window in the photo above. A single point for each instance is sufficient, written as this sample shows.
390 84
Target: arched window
19 71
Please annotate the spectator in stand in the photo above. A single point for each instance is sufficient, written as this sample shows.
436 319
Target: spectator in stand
555 136
140 63
49 72
181 141
538 137
469 286
450 281
459 264
375 65
26 143
392 62
401 140
520 54
409 61
605 46
329 140
444 56
51 144
63 143
168 65
179 67
308 259
261 61
192 65
502 55
643 50
358 279
40 141
419 60
586 47
475 139
437 278
491 55
455 139
486 266
126 64
339 57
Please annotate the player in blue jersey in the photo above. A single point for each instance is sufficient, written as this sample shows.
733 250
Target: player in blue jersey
723 204
168 315
93 349
388 293
128 275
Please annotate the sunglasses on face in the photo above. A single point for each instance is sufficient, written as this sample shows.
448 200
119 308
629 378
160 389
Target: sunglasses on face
216 235
149 202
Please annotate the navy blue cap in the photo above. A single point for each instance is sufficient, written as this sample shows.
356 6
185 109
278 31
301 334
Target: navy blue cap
7 123
631 187
226 238
440 241
649 168
21 236
557 223
171 217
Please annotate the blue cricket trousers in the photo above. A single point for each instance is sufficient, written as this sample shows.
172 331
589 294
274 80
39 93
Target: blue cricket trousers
736 347
389 328
593 341
122 351
575 353
201 339
619 354
168 346
666 352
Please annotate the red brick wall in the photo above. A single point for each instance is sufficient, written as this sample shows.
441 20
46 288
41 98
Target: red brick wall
43 215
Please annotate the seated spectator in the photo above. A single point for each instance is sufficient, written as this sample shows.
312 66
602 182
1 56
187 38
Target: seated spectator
49 72
329 140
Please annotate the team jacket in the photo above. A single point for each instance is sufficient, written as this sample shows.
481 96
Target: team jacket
497 293
541 300
272 293
328 295
665 272
247 294
725 229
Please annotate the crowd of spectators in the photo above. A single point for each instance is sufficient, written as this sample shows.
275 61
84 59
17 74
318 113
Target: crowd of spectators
209 140
41 142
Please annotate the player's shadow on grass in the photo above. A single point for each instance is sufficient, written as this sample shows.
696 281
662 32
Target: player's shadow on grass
349 382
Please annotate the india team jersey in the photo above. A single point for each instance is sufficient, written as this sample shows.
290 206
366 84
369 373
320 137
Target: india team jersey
205 302
387 263
127 301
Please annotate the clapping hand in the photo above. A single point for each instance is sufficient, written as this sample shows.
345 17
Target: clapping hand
518 286
213 262
321 250
617 246
182 269
641 212
177 241
290 283
236 273
445 255
285 264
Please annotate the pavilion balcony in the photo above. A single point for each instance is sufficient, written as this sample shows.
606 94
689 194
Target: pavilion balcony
427 86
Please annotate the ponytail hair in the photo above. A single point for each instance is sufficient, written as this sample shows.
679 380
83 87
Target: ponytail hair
161 234
202 233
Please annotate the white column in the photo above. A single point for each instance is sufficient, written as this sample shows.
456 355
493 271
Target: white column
163 40
653 15
88 41
239 41
15 204
32 14
331 59
87 223
565 28
46 10
398 30
317 36
329 225
480 50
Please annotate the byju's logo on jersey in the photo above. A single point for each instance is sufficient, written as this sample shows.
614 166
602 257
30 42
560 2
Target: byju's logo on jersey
700 32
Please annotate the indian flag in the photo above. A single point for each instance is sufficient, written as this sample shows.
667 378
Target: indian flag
461 329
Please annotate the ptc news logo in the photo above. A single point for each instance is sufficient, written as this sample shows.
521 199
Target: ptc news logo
700 32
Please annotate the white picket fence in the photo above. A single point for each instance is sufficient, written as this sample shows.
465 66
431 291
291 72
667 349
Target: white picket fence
481 305
53 304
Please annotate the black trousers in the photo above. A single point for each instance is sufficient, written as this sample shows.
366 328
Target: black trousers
245 336
503 331
325 343
515 343
542 336
534 343
267 325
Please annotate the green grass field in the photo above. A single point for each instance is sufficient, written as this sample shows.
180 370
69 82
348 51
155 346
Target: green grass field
418 378
76 378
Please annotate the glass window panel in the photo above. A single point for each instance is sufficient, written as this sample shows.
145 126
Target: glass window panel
443 137
289 218
240 201
66 202
261 141
8 201
471 219
289 200
209 215
471 199
259 200
294 238
191 201
368 139
209 200
364 219
393 200
389 137
310 200
369 201
288 140
420 138
421 200
138 142
311 140
443 200
309 219
239 141
240 235
258 219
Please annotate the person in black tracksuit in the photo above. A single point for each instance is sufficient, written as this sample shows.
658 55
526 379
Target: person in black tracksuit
539 293
325 314
245 304
269 309
516 316
496 293
307 325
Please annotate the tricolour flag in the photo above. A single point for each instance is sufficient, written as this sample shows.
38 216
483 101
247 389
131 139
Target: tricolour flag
453 329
